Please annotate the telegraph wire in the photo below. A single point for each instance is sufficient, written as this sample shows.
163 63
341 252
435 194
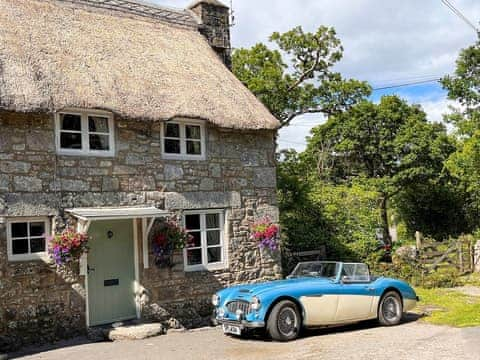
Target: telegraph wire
457 12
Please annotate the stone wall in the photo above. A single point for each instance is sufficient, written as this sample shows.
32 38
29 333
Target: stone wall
38 303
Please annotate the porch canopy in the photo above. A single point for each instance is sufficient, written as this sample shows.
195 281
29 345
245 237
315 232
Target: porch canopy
148 214
116 213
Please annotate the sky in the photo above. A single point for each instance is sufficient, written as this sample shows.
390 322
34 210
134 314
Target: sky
386 42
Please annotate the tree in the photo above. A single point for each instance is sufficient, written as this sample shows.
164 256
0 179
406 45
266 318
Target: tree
304 83
391 145
464 87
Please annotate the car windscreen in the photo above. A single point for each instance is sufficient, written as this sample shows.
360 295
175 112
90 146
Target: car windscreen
316 269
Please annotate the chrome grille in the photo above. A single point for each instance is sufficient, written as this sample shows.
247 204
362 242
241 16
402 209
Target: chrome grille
233 306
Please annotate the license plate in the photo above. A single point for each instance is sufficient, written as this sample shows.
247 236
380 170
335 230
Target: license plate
230 329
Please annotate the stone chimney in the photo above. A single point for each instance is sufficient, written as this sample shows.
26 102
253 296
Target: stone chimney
215 26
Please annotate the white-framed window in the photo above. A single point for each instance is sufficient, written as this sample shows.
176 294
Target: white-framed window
87 133
183 140
207 250
27 238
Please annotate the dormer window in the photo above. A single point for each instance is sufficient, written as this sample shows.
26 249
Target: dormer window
183 140
84 133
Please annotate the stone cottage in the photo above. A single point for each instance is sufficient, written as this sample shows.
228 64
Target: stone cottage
115 115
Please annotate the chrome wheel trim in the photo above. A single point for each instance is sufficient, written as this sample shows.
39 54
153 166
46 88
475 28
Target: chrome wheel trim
391 309
287 322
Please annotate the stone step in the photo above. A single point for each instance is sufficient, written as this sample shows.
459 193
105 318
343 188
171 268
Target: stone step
126 331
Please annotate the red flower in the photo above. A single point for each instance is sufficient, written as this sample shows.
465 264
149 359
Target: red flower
161 240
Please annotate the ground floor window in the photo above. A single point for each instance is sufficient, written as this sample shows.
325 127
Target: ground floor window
207 250
27 238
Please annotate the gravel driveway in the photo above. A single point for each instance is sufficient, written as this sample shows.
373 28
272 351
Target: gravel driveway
411 340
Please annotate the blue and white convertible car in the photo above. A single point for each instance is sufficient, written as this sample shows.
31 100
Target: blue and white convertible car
316 294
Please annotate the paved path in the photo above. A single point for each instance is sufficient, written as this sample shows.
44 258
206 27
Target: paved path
410 341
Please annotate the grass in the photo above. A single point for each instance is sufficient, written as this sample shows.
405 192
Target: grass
449 307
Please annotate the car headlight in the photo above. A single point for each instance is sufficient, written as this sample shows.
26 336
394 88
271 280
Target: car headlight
255 303
215 300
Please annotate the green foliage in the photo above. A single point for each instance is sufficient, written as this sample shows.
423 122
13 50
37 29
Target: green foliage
343 218
436 208
298 78
353 214
391 145
464 87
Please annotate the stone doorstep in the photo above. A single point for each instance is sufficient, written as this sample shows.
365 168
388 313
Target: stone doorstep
129 330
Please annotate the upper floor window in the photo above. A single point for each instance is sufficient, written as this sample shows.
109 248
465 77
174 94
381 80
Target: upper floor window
183 140
85 133
27 239
207 251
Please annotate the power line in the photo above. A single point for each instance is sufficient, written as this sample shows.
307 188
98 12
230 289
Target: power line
292 142
457 12
407 84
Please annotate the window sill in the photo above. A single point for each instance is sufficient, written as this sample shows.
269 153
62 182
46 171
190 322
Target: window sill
205 268
86 154
181 157
41 257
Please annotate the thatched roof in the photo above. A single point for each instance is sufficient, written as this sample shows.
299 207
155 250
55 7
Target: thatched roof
56 55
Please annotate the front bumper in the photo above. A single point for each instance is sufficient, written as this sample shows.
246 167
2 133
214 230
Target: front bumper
241 324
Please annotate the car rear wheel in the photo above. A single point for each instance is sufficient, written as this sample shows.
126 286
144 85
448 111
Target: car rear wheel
390 310
284 321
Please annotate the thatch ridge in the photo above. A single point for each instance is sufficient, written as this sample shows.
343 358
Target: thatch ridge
55 56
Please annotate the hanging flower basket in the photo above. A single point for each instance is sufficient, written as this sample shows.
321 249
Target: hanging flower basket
265 233
67 246
166 240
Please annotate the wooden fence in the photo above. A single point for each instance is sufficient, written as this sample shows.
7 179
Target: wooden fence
457 253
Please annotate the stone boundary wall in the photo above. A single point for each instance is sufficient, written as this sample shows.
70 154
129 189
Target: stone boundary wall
39 304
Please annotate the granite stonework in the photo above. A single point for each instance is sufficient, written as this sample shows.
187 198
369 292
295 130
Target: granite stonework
39 303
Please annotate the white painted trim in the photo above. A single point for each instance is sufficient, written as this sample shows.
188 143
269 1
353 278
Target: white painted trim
146 228
85 151
205 266
87 309
136 260
183 141
43 256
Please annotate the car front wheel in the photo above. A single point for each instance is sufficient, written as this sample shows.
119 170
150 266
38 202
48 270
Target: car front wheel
391 309
284 321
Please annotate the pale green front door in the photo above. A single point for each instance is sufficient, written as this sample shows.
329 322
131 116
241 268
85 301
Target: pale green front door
111 272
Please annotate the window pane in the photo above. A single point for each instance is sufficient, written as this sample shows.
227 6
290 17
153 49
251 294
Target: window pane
71 122
20 246
197 240
172 130
172 146
193 132
70 140
192 222
37 229
213 237
19 230
37 245
194 257
97 124
213 221
214 255
99 142
194 148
